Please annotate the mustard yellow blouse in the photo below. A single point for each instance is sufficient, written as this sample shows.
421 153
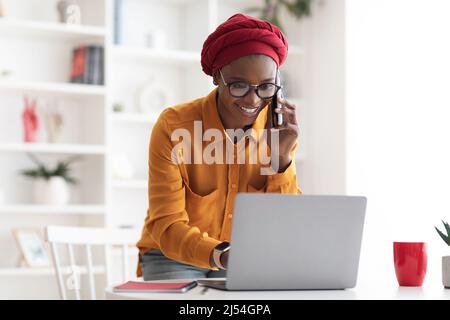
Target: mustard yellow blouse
191 205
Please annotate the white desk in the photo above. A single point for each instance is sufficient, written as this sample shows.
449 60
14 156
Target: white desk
433 291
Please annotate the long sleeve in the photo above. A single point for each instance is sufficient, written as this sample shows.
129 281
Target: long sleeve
286 181
191 204
167 221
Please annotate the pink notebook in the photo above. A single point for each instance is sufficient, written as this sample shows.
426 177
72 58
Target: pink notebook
142 286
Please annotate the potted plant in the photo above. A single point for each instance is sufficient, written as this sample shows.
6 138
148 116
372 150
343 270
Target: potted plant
271 8
445 259
51 186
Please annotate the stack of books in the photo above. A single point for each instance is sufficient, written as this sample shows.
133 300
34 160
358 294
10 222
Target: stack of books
88 65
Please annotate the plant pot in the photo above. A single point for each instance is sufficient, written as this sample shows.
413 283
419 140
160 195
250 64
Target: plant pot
54 191
446 271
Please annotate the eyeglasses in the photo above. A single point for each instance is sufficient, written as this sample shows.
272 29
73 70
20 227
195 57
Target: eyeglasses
239 89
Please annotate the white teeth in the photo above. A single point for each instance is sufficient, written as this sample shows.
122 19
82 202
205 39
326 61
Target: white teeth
248 110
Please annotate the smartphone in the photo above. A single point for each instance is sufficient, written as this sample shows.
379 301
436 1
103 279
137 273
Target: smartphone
277 116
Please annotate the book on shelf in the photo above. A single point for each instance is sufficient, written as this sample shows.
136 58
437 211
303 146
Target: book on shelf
88 65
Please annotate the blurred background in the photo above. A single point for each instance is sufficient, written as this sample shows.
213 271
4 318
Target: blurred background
83 81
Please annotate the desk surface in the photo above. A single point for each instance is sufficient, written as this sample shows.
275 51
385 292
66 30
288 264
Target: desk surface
360 292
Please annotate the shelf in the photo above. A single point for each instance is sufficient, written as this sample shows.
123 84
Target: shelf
44 271
56 88
133 53
133 118
130 184
39 60
53 148
53 210
33 29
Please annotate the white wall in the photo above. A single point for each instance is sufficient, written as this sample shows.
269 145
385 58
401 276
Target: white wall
398 100
322 124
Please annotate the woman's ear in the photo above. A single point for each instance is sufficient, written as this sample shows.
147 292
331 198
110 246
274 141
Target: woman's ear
215 80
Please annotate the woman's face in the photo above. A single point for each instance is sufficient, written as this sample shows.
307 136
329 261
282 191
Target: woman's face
254 69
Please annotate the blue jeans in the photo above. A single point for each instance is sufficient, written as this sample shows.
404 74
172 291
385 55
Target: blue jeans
156 266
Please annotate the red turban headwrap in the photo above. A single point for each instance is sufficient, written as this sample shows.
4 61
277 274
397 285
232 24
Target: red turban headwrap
239 36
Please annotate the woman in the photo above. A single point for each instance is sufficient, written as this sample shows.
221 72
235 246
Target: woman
187 228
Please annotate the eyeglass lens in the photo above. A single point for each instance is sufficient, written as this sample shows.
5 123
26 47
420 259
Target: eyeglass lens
264 90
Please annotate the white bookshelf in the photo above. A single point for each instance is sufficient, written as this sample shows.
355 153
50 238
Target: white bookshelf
53 209
169 56
53 148
55 30
133 118
41 70
53 88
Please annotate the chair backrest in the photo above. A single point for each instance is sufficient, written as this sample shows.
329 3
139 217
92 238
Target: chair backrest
88 237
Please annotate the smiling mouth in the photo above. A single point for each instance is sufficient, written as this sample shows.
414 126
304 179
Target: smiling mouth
249 111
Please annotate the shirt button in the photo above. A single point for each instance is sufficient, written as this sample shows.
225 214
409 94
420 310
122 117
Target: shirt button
205 235
234 185
230 215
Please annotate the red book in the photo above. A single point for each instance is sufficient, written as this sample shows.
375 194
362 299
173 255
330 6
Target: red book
142 286
78 65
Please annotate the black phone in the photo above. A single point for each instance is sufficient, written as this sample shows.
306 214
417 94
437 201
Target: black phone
278 118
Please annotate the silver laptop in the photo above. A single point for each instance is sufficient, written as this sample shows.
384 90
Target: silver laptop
293 242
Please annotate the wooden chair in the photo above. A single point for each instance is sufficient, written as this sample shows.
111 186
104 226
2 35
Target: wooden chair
88 237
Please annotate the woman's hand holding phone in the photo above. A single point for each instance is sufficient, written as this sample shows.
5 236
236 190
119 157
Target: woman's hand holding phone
287 128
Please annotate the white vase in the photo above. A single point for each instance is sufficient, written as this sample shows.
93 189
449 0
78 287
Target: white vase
446 271
54 191
69 11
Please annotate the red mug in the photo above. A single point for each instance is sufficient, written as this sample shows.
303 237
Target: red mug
410 261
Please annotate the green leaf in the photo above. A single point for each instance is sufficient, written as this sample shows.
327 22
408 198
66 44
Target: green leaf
30 173
62 169
444 237
447 228
70 180
298 8
44 173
